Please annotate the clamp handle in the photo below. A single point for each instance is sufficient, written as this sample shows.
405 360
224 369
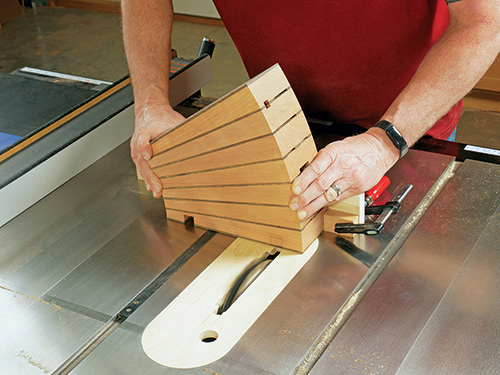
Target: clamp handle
371 229
377 210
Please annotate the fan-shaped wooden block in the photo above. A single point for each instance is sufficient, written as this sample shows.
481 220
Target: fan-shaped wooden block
230 165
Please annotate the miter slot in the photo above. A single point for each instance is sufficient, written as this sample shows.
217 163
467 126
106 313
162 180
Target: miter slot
245 279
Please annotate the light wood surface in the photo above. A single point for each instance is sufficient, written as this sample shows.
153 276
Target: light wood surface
175 337
350 210
265 172
232 107
270 194
255 213
231 134
243 101
287 238
260 149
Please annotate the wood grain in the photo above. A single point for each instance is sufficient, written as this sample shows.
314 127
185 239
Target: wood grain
230 134
255 213
265 172
350 210
282 237
270 194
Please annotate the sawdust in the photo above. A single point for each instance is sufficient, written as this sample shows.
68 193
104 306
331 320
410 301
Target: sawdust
31 361
212 372
31 297
347 307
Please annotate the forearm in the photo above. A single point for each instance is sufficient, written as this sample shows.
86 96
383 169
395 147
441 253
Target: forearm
147 28
448 72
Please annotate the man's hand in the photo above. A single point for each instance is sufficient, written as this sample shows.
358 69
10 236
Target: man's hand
350 166
150 122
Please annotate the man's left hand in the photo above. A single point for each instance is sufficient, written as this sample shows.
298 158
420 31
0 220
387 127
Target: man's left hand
342 169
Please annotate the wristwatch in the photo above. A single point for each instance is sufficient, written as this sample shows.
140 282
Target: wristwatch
394 135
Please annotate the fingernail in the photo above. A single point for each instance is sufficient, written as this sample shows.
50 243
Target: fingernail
295 187
301 215
156 189
148 187
145 155
294 206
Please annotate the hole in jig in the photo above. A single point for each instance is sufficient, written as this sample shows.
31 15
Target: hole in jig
209 336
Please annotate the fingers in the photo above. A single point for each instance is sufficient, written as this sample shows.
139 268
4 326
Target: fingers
339 190
320 202
151 122
141 153
143 146
313 171
342 169
317 187
152 181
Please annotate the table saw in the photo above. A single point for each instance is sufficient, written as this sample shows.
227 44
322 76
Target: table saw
91 261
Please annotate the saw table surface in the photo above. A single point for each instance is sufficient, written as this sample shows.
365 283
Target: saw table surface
73 261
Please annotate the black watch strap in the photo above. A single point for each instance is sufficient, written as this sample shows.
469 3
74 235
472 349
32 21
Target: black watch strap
394 135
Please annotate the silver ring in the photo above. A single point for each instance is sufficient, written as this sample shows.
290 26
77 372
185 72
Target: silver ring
337 190
332 193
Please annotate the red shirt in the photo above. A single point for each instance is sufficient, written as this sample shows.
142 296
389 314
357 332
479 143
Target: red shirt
346 60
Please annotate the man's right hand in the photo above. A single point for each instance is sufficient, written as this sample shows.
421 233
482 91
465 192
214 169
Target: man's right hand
150 122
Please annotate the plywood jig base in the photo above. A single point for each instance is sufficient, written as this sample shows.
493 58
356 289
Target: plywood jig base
191 332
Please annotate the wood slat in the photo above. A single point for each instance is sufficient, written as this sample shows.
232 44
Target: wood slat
286 238
302 154
265 172
254 151
237 105
257 150
256 125
272 194
268 84
278 216
274 171
350 210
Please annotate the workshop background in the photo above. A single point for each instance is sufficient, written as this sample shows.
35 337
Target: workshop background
83 38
